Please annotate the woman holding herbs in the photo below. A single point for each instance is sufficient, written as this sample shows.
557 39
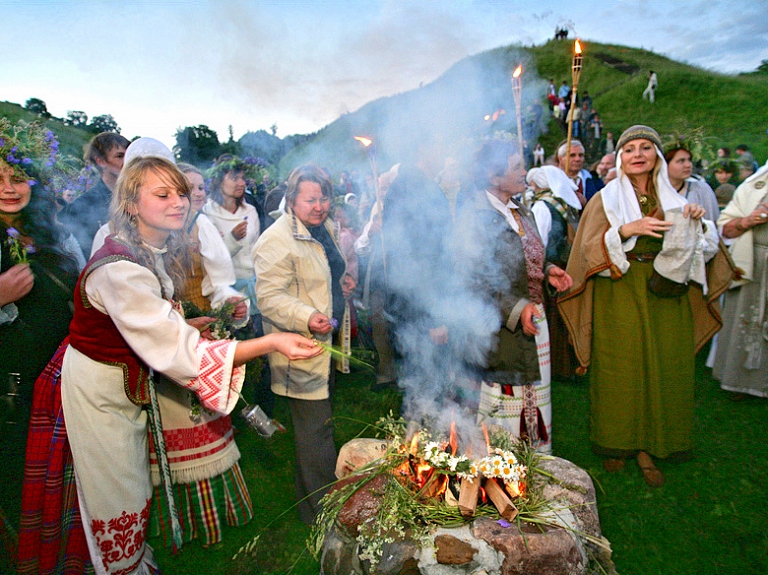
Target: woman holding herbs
95 404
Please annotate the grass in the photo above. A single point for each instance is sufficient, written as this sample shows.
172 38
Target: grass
708 519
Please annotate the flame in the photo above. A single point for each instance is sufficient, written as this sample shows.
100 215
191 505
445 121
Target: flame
454 441
415 444
519 69
577 46
487 117
514 488
364 141
487 438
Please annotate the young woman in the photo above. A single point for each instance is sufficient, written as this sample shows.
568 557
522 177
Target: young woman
99 382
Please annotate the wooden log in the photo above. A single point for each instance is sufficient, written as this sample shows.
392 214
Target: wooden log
503 503
470 488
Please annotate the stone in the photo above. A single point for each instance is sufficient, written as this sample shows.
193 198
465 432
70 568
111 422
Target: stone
452 551
358 453
363 504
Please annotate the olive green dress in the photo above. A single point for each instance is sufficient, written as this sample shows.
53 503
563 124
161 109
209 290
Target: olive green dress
642 373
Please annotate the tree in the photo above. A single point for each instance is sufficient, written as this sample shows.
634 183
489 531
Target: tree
76 119
196 144
103 123
763 67
273 129
37 106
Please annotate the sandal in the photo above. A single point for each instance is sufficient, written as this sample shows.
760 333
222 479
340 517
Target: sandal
651 474
613 465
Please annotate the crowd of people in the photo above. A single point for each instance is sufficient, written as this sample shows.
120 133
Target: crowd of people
120 399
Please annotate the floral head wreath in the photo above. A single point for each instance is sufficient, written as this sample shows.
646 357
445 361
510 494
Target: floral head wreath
32 150
253 169
694 141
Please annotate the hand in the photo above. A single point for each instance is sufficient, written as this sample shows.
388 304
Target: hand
295 346
558 279
348 285
241 308
203 325
439 335
694 211
319 323
527 317
15 283
646 226
239 231
758 217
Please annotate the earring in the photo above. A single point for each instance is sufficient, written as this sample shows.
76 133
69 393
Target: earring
132 221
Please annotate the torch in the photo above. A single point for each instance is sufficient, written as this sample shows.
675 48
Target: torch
575 75
517 89
368 144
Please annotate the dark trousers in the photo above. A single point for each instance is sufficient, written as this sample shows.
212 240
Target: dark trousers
315 453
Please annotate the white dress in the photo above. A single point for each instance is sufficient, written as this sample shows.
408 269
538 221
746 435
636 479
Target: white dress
107 433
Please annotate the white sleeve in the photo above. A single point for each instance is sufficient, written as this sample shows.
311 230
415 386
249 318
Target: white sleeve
543 221
219 273
130 295
98 239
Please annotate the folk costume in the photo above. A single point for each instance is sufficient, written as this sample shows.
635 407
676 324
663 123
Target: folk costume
90 421
741 359
556 209
641 346
503 258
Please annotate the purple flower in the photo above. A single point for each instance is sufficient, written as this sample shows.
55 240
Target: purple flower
14 149
31 183
30 250
2 142
504 523
13 233
48 136
26 161
334 323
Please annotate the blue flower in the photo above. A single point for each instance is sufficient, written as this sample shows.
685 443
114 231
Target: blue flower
2 143
14 149
26 161
31 183
334 323
13 233
49 136
30 250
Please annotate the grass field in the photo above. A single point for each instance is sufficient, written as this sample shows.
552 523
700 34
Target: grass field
708 519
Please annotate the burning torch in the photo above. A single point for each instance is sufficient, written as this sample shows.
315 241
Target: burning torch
575 75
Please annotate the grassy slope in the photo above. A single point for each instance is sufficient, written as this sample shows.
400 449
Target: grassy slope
71 139
730 108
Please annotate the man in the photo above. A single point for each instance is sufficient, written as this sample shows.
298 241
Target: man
744 155
90 211
581 177
610 144
650 90
564 91
607 162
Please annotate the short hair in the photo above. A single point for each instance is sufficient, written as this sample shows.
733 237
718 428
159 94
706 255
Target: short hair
185 168
307 173
564 146
742 147
672 152
100 146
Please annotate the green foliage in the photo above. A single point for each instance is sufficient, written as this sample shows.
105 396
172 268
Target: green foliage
197 145
103 123
71 140
37 106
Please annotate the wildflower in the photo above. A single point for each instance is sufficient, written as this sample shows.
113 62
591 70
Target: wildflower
13 233
26 161
334 323
30 250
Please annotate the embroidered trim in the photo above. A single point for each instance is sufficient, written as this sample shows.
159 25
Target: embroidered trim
121 538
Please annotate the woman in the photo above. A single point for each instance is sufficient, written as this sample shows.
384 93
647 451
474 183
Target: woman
124 326
37 277
639 338
302 283
741 360
236 220
502 258
695 190
556 209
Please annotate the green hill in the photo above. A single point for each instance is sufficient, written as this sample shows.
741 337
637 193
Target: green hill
71 140
447 114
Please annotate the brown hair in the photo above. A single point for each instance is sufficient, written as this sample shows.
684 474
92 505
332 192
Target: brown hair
100 146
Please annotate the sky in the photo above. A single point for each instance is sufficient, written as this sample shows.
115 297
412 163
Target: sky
158 66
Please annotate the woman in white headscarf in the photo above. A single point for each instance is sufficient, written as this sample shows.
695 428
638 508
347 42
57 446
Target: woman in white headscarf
556 209
641 305
741 360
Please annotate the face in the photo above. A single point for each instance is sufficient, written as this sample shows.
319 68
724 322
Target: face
197 196
311 207
607 162
68 196
233 185
744 173
723 176
576 163
680 166
720 153
113 163
513 180
161 208
638 157
15 193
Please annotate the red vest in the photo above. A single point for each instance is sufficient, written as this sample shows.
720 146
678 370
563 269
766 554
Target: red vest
94 333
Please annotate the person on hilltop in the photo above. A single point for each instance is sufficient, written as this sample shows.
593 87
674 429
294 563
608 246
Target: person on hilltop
90 211
650 90
633 316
